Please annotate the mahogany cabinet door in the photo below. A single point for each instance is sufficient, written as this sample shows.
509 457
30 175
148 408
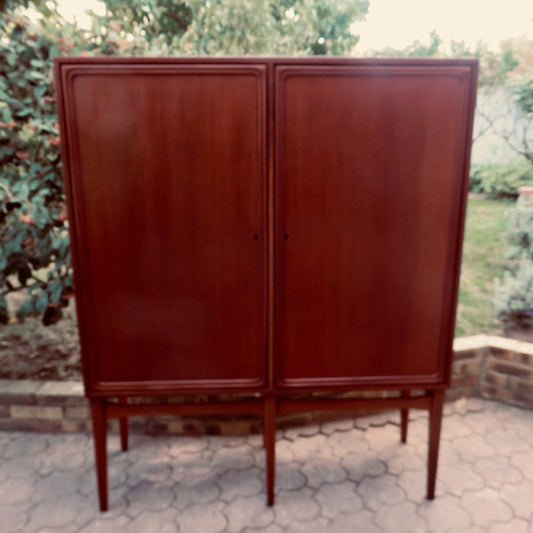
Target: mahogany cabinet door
166 176
371 170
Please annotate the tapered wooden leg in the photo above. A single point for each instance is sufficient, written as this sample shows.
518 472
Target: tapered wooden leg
100 449
123 422
404 417
269 439
435 422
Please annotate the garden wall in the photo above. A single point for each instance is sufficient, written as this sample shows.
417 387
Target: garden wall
486 367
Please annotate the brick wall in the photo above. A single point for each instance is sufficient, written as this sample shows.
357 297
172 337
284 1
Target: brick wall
495 368
488 367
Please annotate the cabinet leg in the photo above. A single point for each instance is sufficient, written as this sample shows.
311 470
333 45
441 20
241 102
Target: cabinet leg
435 422
269 439
123 422
100 449
404 417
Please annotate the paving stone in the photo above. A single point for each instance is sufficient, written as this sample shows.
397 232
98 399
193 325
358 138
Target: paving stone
150 447
417 431
203 492
490 478
382 438
90 511
497 470
65 455
204 517
473 447
516 525
101 525
26 444
55 513
272 528
448 455
342 443
192 475
284 453
317 525
149 470
453 427
303 431
306 448
376 420
403 458
147 496
519 497
474 405
444 513
16 491
225 441
240 483
339 498
380 491
295 505
19 467
320 470
458 478
401 518
233 459
14 518
362 521
58 483
524 463
485 506
289 476
178 445
162 522
414 485
116 475
328 428
248 512
482 422
361 465
506 442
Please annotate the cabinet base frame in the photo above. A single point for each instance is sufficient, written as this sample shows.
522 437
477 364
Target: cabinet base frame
268 406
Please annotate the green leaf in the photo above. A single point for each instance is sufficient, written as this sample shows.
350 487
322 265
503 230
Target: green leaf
25 112
55 291
4 316
42 302
25 309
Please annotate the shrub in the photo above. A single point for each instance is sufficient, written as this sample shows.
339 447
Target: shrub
520 229
513 297
500 180
34 244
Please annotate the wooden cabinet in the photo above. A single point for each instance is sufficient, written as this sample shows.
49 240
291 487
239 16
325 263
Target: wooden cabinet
269 226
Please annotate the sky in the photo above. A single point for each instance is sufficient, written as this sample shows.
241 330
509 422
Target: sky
397 23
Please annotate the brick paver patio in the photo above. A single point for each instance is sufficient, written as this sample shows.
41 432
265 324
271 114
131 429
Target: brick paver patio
346 476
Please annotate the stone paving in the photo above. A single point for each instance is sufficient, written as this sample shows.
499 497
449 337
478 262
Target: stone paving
346 476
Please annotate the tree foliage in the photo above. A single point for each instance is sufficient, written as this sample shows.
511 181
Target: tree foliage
34 245
240 27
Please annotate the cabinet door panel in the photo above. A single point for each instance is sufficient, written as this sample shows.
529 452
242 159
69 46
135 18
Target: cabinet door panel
370 184
167 175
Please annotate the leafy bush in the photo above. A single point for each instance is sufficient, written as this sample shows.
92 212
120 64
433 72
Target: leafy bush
34 244
500 180
520 229
513 297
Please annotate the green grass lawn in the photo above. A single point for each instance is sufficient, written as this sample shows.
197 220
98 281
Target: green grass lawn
483 260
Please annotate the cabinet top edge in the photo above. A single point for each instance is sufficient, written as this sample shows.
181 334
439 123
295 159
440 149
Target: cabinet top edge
272 60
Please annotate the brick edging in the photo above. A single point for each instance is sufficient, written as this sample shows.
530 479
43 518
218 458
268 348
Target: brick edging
484 366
